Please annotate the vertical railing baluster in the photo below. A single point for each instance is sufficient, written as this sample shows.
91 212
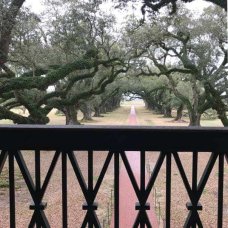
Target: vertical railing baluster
142 181
194 170
220 189
64 188
90 169
194 183
168 188
37 181
12 190
37 171
116 189
142 160
90 185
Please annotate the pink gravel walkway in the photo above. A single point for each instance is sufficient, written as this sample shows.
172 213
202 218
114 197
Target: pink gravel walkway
127 196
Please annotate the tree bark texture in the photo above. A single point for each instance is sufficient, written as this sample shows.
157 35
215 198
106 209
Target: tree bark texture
194 119
179 113
71 115
87 112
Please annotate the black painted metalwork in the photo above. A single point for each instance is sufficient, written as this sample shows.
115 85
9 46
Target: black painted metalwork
12 189
66 141
64 188
168 188
116 189
220 189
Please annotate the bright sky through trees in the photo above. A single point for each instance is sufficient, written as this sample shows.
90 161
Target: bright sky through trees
36 6
195 6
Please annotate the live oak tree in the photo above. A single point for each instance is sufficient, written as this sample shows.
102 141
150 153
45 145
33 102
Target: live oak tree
95 40
181 47
84 56
26 54
216 86
10 11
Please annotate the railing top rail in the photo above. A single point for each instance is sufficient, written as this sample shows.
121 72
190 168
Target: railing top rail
113 138
39 126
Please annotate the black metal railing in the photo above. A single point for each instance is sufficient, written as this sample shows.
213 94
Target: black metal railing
116 140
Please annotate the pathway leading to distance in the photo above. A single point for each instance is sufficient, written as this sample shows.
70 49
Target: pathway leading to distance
127 196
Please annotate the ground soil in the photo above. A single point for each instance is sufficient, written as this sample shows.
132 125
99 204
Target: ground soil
76 199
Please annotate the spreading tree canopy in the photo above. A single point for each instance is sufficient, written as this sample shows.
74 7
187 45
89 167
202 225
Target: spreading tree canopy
73 57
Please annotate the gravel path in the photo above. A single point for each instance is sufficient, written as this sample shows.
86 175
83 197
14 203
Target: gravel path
127 196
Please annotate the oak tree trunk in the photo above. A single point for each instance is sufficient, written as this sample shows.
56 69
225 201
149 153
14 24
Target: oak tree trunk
179 113
71 115
167 112
194 119
87 112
